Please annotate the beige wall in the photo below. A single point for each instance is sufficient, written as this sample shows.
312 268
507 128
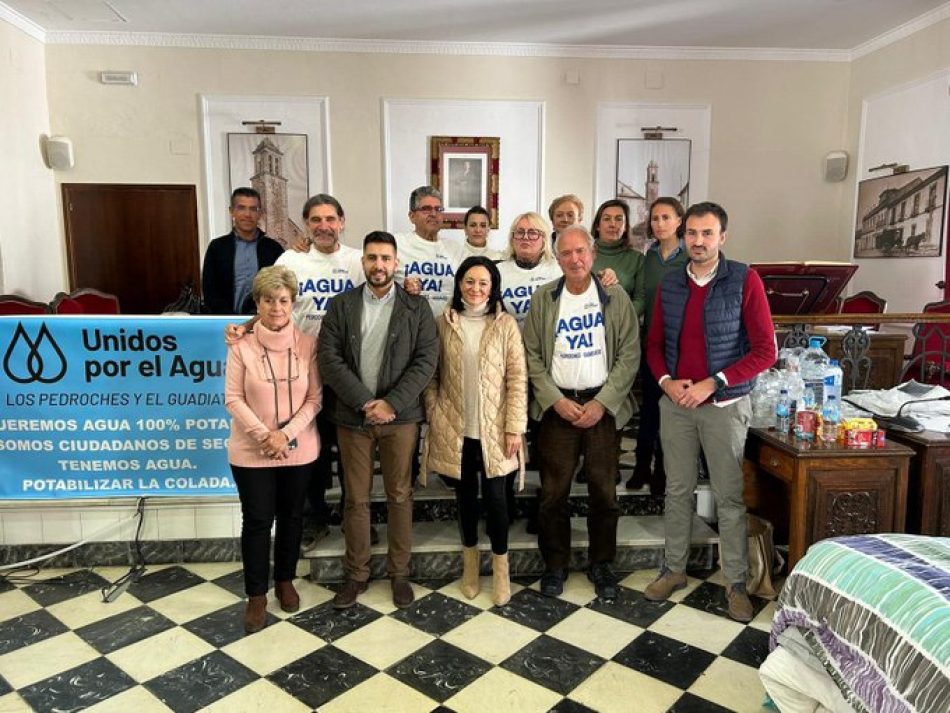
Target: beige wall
772 123
913 58
766 151
31 246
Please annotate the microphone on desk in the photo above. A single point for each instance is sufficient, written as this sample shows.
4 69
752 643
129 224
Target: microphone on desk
908 424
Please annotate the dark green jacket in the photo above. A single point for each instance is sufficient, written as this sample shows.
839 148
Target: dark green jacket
623 349
628 265
412 352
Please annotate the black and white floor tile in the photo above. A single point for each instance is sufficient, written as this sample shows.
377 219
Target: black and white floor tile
174 641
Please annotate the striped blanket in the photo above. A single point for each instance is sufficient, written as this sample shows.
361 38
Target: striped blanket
875 609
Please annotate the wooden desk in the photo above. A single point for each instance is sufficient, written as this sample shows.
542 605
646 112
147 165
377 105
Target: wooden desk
928 487
886 352
810 491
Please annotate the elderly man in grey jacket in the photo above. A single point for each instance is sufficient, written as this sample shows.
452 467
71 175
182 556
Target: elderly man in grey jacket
583 350
378 351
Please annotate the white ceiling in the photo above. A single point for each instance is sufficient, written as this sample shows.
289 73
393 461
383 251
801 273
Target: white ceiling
607 24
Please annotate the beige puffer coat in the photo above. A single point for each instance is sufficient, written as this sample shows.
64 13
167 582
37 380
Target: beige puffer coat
502 397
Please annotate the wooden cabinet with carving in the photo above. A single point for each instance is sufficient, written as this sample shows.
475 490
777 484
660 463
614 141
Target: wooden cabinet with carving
811 491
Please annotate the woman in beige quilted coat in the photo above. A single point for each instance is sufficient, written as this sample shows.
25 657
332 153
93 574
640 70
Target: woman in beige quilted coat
477 409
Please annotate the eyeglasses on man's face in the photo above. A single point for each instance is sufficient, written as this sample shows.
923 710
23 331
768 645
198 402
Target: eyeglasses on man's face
429 209
528 235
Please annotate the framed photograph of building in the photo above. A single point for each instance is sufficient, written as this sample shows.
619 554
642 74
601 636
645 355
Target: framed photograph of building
902 215
276 166
648 169
465 170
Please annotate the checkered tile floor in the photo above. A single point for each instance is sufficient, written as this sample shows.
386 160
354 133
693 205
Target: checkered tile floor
175 641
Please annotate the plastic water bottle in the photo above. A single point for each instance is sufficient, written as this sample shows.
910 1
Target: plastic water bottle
830 417
808 398
796 387
783 417
814 364
834 379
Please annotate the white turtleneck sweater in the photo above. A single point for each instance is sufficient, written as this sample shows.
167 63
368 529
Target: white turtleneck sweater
472 323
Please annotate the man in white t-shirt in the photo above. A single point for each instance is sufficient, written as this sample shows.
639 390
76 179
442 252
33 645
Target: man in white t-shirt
583 351
423 254
327 268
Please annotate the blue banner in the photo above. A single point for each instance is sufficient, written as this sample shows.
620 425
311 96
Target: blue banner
97 407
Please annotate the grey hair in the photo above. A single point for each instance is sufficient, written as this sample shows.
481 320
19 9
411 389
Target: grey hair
423 192
575 229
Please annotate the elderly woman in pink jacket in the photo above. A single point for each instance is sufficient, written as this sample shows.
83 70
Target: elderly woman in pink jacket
477 410
273 393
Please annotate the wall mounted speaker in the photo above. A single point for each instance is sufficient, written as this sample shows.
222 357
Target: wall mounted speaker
836 166
59 153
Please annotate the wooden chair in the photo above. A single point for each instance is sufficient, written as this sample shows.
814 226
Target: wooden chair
864 302
85 300
930 358
835 307
14 304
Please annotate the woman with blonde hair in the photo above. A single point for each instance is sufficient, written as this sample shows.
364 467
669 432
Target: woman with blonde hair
477 409
273 393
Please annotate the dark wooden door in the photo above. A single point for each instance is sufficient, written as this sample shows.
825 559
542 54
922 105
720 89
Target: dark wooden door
139 242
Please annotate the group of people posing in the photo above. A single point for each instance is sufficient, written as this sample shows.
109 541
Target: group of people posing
540 343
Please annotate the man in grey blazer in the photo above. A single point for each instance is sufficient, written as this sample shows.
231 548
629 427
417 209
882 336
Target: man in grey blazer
378 351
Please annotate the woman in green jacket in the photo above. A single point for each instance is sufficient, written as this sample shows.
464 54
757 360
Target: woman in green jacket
611 230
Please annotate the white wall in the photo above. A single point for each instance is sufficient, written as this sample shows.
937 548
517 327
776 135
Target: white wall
897 67
31 245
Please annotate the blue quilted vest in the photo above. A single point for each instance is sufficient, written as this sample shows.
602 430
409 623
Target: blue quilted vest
726 338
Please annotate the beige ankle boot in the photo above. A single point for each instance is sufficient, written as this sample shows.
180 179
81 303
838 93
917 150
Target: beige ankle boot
501 583
470 566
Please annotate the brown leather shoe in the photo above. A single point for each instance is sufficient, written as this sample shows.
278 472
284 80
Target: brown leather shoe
740 606
287 596
348 595
255 614
663 586
403 595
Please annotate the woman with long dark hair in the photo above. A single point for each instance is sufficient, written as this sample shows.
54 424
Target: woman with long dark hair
477 409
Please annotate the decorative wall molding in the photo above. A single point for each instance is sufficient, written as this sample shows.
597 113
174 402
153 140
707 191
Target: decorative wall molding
11 16
500 49
220 114
936 15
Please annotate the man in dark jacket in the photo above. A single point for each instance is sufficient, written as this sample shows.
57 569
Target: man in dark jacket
378 351
232 260
711 335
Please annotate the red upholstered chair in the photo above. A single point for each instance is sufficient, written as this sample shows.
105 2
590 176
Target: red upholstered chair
865 302
14 304
85 300
64 304
930 358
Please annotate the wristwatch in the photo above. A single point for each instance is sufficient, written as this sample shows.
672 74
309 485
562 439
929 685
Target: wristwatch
720 382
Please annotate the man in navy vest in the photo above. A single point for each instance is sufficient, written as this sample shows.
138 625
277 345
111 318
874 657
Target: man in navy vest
711 335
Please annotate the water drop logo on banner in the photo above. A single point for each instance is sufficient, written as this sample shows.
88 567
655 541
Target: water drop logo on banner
113 406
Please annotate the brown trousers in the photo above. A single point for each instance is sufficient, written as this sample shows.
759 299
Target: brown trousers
397 447
560 447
